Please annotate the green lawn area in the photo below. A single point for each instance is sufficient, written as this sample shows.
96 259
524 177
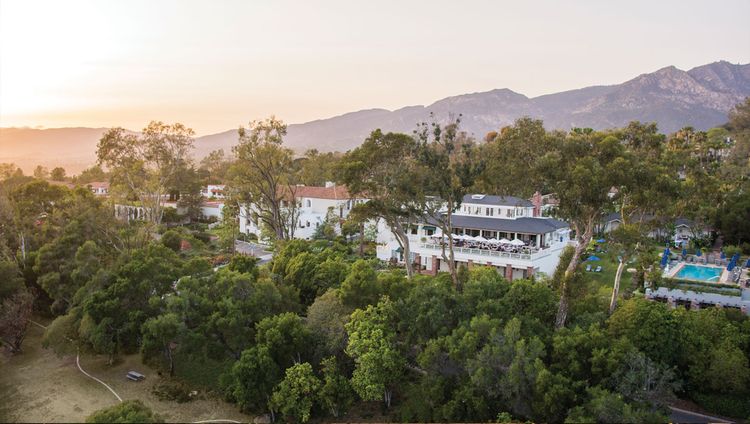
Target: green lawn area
602 282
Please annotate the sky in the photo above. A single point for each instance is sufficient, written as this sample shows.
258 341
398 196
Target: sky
214 65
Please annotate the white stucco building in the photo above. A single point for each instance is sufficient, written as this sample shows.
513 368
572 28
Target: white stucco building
680 231
213 191
507 233
314 204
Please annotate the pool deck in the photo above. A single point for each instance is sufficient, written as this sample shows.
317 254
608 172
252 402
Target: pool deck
698 299
724 279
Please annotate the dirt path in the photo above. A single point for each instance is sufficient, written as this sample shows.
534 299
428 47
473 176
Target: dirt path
38 386
78 364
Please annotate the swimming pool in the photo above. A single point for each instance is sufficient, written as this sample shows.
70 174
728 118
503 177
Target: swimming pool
699 273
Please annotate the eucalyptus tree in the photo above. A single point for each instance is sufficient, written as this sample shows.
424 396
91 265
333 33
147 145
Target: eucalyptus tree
386 171
511 156
144 164
643 196
581 169
262 177
702 187
452 163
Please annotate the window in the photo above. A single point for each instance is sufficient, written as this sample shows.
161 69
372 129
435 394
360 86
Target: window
307 224
509 213
489 211
414 230
308 203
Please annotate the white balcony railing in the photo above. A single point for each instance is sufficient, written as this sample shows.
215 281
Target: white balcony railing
485 253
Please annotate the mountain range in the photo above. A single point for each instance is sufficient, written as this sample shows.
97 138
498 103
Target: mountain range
673 98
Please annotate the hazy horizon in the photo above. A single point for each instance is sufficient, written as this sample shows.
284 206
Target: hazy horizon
214 66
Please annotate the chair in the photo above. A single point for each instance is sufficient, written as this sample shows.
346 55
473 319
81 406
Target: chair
598 269
588 268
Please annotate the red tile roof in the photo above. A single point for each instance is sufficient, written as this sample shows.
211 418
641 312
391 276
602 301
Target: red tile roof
99 184
331 193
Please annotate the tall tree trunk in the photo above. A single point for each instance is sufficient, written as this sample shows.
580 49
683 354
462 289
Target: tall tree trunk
583 240
362 239
171 361
616 287
403 240
447 228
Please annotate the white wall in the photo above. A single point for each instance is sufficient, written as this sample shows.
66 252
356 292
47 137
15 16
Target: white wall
312 213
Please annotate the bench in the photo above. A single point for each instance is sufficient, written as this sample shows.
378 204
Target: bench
135 376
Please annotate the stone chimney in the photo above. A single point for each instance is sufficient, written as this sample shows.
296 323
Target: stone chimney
536 200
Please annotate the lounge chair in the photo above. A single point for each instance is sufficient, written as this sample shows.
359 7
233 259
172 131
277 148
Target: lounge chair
588 268
598 269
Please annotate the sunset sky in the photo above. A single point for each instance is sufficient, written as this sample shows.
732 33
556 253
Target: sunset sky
216 64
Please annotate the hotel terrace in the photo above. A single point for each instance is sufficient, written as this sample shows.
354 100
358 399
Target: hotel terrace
504 232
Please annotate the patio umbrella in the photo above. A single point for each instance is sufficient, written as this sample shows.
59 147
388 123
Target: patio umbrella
731 266
723 256
593 258
699 253
747 264
493 240
684 252
517 242
480 239
504 241
664 258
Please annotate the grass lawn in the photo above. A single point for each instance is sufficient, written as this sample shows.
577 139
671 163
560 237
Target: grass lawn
38 386
604 280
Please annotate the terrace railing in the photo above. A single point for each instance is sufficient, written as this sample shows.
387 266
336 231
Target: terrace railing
490 253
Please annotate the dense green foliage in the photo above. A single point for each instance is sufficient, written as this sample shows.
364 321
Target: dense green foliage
129 411
325 330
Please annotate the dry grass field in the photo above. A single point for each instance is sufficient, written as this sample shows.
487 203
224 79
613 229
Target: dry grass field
38 386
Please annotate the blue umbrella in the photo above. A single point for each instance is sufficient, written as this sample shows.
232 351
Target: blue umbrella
601 241
747 264
723 256
684 252
699 253
736 257
664 259
593 258
730 266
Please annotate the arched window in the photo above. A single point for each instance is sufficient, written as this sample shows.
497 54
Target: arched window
308 203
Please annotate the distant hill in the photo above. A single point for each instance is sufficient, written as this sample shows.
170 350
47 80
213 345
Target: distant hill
700 97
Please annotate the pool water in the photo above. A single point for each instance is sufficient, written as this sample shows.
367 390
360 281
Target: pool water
700 273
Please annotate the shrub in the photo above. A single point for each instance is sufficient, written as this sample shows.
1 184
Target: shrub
130 411
730 405
202 236
172 240
172 390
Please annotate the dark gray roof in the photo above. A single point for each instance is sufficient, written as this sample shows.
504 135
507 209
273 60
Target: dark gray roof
615 216
518 225
497 200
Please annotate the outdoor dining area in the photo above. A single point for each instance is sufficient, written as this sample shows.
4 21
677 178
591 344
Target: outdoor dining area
514 245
